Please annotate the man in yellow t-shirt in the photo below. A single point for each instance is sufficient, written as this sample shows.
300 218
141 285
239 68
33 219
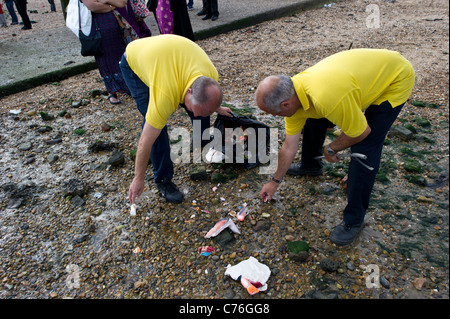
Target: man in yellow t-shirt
163 72
362 92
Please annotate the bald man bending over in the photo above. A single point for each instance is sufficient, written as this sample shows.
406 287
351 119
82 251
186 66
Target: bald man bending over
163 72
361 91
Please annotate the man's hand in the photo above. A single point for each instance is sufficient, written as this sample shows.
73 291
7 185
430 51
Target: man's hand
136 189
225 111
330 158
268 191
148 136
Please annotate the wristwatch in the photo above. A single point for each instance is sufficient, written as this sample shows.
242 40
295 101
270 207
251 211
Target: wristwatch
330 150
276 180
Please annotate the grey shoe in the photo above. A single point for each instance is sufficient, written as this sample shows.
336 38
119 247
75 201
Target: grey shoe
345 234
299 170
169 191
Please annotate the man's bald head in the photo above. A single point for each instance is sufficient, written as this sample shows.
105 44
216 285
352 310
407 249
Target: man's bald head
272 91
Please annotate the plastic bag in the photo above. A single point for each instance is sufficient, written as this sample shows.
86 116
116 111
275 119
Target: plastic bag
243 144
73 18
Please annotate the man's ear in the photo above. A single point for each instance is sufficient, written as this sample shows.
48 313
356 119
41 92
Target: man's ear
285 105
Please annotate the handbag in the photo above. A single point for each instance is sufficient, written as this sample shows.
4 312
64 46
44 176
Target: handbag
78 14
91 45
140 9
126 30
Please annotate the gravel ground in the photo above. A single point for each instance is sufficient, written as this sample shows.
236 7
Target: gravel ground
65 227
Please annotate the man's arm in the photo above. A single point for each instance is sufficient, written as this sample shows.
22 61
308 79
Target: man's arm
148 138
342 142
285 158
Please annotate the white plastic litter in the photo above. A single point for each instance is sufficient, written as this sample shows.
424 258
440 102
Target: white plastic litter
214 156
252 270
133 210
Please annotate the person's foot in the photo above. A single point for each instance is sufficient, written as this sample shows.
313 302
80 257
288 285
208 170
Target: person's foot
169 191
25 28
206 17
14 23
112 98
190 8
214 17
299 170
345 234
201 13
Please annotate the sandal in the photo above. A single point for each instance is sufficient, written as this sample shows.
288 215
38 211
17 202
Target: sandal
115 97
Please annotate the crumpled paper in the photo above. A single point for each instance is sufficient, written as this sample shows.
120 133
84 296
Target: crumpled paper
221 225
252 270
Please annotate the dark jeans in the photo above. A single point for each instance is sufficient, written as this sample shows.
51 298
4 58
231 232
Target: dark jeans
211 7
12 13
21 6
360 179
160 154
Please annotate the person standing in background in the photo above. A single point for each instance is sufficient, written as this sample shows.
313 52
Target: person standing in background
172 17
210 10
52 5
21 6
103 13
12 13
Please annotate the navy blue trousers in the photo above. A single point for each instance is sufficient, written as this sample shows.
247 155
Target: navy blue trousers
160 154
360 179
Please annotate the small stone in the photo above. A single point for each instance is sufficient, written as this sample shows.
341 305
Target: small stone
402 132
53 294
106 127
25 146
140 283
77 201
289 237
298 250
44 129
46 117
76 104
52 158
262 226
81 239
350 266
224 238
116 158
384 282
419 283
199 174
53 141
229 294
329 265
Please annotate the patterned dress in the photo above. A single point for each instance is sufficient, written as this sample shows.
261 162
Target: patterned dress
114 47
164 16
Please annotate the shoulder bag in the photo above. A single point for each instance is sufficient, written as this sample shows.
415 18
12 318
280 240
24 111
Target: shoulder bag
91 45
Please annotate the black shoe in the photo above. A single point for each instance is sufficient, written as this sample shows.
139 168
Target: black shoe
25 28
169 191
206 17
201 13
345 234
299 170
214 18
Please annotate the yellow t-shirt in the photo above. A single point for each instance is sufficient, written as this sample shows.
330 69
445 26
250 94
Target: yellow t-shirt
342 86
168 64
